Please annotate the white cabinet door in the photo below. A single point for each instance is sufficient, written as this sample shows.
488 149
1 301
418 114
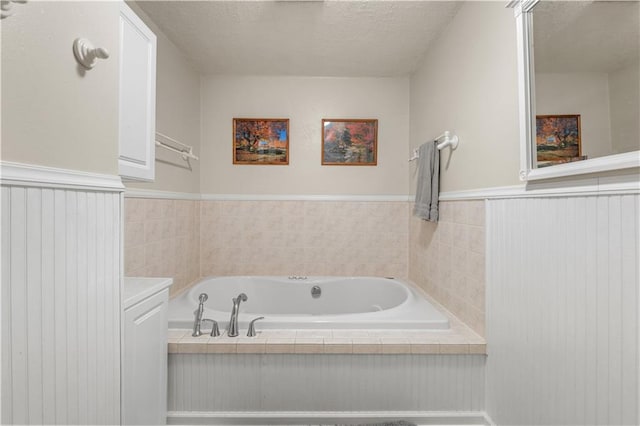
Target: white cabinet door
144 366
137 97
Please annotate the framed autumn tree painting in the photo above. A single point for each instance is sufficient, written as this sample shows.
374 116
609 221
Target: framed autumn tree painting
558 139
261 141
349 142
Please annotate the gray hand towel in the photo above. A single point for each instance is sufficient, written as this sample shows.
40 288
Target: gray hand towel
426 205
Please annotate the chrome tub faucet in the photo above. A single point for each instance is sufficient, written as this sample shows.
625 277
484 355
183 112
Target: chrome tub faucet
198 320
233 321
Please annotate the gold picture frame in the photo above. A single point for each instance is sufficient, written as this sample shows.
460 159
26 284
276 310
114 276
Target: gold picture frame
261 141
349 142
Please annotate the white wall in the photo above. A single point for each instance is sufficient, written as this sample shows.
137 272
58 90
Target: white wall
305 101
467 83
586 94
177 115
53 113
562 310
624 92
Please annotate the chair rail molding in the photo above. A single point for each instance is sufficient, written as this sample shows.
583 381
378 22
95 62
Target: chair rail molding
20 174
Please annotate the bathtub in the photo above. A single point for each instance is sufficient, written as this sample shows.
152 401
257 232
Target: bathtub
310 303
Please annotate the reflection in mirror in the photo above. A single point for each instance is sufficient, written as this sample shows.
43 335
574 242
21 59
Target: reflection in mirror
587 80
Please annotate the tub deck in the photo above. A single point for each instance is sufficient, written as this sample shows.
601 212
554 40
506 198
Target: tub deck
459 339
274 341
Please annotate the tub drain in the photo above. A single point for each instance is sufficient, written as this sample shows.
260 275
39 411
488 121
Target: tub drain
316 291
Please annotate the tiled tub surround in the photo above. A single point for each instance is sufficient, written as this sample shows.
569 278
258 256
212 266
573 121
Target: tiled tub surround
188 240
162 240
348 238
447 259
357 370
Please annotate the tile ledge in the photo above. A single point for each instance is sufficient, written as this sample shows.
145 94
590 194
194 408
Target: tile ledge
435 344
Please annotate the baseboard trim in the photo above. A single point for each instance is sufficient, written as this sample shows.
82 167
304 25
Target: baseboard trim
328 417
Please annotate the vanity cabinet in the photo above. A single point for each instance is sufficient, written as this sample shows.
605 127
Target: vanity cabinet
144 351
137 108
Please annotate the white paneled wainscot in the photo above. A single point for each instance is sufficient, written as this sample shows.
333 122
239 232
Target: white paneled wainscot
60 297
203 386
562 310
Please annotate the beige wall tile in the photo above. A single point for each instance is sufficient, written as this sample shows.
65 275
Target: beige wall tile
454 348
309 346
425 348
134 210
280 348
189 239
395 345
305 237
367 345
338 346
447 259
134 234
163 241
251 346
134 260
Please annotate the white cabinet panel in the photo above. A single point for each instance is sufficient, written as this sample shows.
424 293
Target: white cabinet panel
144 366
137 97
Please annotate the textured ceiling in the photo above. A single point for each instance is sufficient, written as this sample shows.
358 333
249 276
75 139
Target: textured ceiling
573 36
310 38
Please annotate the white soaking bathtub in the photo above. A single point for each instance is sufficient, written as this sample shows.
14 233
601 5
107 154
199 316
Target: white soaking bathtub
288 303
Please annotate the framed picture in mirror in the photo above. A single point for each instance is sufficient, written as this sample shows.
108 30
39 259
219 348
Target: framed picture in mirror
558 139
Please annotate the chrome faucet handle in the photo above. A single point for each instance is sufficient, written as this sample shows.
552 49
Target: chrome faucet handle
215 331
252 327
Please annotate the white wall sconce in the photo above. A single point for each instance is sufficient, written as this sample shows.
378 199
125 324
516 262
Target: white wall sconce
6 7
86 53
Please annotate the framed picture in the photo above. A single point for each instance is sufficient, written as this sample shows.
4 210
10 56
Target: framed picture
261 141
349 142
558 139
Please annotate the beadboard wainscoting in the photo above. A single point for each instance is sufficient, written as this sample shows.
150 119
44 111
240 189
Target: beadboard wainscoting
60 299
324 383
562 310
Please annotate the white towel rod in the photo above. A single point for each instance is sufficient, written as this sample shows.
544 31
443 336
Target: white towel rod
449 140
186 153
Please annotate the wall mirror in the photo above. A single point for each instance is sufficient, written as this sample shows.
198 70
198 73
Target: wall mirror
579 81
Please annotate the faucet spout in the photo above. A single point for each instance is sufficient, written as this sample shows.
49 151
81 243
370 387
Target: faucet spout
233 321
